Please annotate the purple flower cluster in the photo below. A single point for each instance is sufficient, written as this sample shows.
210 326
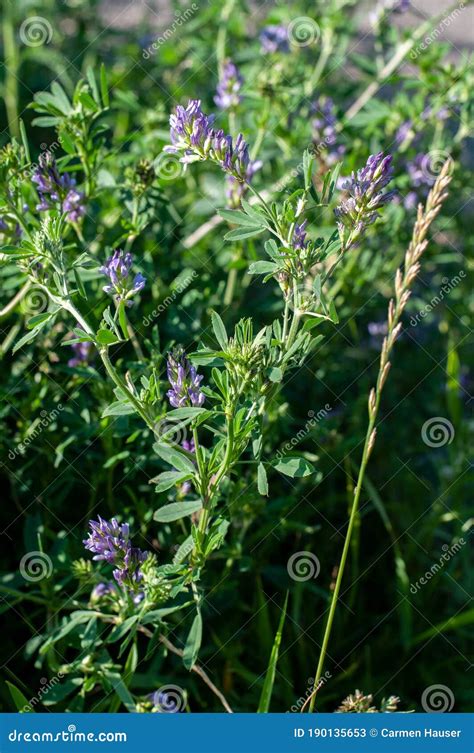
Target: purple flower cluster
194 138
117 269
110 541
184 381
81 354
299 241
229 86
366 194
274 38
54 188
324 129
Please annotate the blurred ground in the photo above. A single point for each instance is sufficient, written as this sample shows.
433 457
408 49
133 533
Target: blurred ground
458 29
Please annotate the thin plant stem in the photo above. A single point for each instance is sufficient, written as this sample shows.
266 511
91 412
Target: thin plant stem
403 283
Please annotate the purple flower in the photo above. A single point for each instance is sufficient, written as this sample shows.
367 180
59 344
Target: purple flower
299 236
110 541
229 86
107 539
420 171
274 38
184 380
81 354
103 589
195 139
117 269
324 129
403 132
366 195
54 188
73 205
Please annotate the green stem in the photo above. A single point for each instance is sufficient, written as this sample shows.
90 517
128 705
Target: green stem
12 64
119 382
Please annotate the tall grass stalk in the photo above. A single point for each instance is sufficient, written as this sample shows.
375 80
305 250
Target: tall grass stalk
403 282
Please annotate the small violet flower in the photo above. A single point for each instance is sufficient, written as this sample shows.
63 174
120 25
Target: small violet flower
274 38
110 541
366 195
229 86
81 354
184 380
195 139
299 240
54 188
324 129
117 268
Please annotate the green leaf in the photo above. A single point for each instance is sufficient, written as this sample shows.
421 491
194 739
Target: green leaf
119 631
123 320
103 86
177 510
262 482
121 689
295 467
262 267
236 235
193 642
267 689
174 457
275 374
236 217
167 479
106 337
119 408
156 615
22 703
33 321
219 330
186 412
